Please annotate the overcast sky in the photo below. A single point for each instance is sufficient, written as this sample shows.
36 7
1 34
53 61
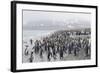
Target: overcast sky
44 20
